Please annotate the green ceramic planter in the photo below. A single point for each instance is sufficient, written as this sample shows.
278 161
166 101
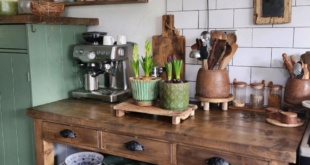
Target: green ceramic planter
145 92
174 96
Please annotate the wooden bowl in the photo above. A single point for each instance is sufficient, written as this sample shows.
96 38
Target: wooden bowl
296 91
48 9
213 83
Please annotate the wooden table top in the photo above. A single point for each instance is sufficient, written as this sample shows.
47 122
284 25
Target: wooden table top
239 132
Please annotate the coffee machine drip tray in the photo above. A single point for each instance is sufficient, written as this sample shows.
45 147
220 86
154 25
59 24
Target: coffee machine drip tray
109 95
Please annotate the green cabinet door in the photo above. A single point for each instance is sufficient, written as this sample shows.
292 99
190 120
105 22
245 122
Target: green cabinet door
16 129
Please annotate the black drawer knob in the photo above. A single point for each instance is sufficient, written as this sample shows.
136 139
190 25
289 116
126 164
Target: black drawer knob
134 146
217 161
67 134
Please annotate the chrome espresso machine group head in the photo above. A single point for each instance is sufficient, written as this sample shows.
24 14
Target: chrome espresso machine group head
109 61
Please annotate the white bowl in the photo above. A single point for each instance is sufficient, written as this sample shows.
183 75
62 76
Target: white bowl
84 158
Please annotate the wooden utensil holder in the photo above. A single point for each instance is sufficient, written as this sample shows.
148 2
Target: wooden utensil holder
213 86
296 91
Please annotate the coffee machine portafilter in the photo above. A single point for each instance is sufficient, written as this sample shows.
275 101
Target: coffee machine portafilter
110 61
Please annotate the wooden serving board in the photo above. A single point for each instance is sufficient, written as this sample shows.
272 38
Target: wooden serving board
130 106
278 123
168 44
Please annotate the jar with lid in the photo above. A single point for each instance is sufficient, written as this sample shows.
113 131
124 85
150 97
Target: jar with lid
275 95
257 95
239 93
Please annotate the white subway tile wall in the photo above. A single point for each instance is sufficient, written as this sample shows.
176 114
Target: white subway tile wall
260 46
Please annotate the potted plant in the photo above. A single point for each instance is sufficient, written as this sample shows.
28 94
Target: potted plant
174 93
144 89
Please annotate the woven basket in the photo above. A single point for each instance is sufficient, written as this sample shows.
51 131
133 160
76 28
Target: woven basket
49 9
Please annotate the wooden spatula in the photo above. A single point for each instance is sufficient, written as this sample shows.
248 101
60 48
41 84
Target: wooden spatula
227 59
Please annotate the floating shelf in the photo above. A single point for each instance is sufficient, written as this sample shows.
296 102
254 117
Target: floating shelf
105 2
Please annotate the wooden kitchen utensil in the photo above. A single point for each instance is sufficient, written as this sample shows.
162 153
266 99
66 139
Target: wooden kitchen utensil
306 59
227 59
211 57
293 59
306 72
168 44
231 38
288 65
218 35
227 52
218 51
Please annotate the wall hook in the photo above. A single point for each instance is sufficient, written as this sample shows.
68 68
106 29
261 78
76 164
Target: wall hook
33 29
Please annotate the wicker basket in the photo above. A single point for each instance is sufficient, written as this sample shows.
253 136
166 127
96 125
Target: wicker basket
49 9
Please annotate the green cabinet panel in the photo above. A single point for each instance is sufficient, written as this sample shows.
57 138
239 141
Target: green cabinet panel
13 37
36 67
15 96
54 72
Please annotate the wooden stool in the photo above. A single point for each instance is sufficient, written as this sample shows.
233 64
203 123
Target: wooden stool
205 102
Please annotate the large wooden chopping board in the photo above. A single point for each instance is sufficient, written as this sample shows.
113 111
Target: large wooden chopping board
168 44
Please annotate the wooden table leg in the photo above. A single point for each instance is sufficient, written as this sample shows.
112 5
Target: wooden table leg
225 106
120 113
176 120
44 149
206 106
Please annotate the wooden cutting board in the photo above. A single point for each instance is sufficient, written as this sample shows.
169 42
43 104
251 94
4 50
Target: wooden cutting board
168 44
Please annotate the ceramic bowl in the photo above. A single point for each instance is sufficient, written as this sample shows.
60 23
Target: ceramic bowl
85 158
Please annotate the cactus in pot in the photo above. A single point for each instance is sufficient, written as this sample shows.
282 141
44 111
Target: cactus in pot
174 93
145 89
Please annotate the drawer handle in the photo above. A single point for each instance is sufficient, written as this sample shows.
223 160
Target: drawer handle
67 134
134 146
217 161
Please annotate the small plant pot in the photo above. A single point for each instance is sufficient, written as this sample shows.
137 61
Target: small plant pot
174 96
145 92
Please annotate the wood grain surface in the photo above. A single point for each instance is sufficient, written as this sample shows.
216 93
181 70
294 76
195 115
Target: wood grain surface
168 44
32 19
197 156
84 136
158 151
236 132
104 2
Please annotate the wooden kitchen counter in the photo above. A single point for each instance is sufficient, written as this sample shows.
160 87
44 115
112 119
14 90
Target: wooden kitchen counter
240 137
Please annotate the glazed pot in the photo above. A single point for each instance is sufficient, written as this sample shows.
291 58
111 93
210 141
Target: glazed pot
212 83
296 91
145 92
174 96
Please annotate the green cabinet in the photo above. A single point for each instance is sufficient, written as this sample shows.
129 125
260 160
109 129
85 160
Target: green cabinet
36 67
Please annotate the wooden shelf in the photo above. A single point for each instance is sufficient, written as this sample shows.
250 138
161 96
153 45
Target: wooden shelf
32 19
105 2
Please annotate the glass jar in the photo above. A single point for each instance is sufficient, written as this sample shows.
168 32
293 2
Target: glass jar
257 96
239 94
8 7
275 96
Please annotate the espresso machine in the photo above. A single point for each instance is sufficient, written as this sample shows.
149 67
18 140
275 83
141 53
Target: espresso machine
107 65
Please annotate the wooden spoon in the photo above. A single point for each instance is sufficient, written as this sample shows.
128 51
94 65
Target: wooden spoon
293 60
289 65
231 38
227 59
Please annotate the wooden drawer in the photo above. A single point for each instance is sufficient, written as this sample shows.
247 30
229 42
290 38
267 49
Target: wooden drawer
154 150
13 37
84 137
195 155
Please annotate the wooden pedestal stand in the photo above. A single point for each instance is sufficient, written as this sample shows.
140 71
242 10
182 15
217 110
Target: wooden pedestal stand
205 102
130 106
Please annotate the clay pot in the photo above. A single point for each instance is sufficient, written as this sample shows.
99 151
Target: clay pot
212 83
145 92
296 91
174 96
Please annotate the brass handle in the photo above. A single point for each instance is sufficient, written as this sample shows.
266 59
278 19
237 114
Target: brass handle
217 161
67 134
134 146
